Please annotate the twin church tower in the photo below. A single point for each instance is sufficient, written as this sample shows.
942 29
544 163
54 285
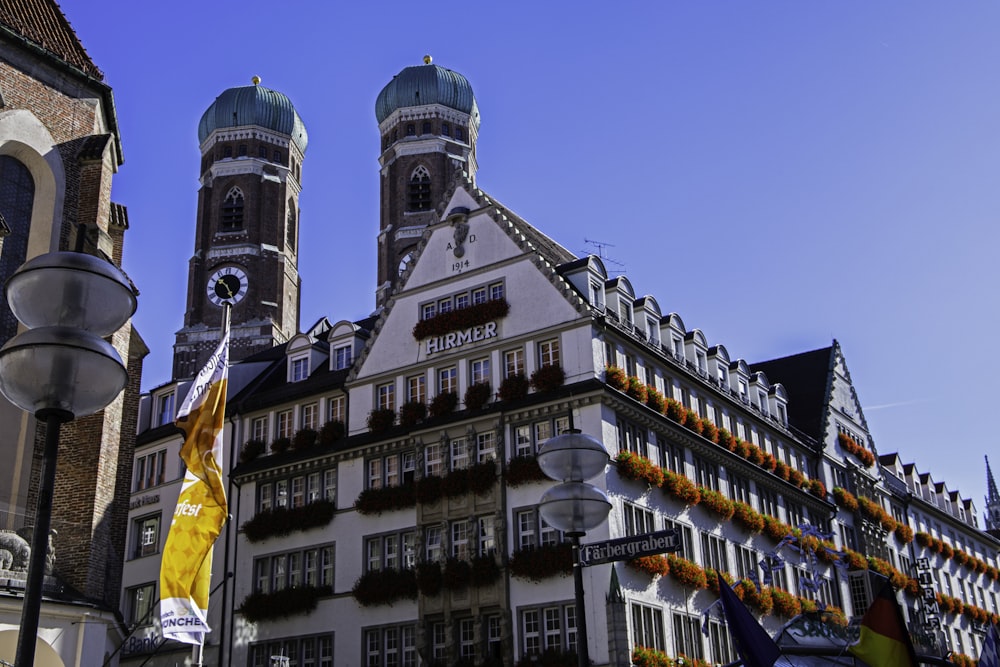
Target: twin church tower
253 145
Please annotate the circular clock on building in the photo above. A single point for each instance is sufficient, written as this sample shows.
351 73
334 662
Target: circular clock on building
228 284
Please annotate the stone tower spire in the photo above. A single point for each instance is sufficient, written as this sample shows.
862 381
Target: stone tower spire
992 501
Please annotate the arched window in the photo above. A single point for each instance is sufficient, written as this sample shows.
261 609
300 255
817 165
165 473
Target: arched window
419 190
17 194
290 226
232 211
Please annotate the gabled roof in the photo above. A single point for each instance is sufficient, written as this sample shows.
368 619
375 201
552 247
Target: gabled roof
806 377
42 23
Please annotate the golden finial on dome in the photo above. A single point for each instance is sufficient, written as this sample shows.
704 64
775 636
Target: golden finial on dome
256 80
428 60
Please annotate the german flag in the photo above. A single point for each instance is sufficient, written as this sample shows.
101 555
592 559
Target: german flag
884 640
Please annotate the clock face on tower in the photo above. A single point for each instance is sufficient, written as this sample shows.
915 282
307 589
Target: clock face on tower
228 284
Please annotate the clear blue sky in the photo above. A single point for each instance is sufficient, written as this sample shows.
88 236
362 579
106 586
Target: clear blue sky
778 173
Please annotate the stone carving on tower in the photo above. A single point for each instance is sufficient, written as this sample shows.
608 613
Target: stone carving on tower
429 123
246 244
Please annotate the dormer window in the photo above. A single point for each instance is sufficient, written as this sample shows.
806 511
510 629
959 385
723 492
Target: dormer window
678 348
342 357
625 312
723 376
762 401
652 334
299 369
744 390
597 294
165 411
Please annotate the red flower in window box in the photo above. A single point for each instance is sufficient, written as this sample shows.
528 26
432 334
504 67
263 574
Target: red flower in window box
633 466
636 388
524 469
654 566
748 517
514 387
686 573
615 377
717 503
380 420
680 487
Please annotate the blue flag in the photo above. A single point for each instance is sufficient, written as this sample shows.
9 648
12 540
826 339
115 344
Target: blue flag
990 657
755 646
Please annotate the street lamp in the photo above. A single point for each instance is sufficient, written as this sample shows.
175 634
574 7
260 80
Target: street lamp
574 506
59 369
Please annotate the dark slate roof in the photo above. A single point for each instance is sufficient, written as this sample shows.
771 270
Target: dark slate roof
42 23
425 84
806 376
254 105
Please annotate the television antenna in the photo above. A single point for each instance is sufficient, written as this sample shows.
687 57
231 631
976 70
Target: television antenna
600 247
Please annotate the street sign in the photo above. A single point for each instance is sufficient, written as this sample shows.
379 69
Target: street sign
625 548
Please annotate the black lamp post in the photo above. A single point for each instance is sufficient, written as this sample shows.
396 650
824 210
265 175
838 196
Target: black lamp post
574 506
59 369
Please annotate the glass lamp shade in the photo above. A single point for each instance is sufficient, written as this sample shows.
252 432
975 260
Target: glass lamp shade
574 507
71 289
572 457
60 369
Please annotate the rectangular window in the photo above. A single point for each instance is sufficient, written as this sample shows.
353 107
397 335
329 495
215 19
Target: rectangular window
461 300
479 295
150 470
342 357
428 310
768 502
746 562
480 370
385 395
739 488
460 539
392 646
310 416
416 389
139 604
432 544
638 520
496 291
459 454
713 552
522 441
165 409
466 638
444 305
258 429
448 380
532 531
548 353
300 369
284 424
647 627
687 539
513 362
548 628
486 446
706 473
720 642
432 459
335 409
687 636
146 536
487 535
298 491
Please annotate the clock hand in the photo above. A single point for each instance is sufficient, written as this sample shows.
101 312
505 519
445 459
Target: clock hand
228 288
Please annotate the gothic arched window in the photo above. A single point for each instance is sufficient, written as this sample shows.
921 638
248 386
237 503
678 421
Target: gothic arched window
232 211
419 190
17 196
290 226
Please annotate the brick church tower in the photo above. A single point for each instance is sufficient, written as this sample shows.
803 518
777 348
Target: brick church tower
59 150
429 122
246 244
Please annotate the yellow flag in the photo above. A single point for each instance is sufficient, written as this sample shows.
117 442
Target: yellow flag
186 567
